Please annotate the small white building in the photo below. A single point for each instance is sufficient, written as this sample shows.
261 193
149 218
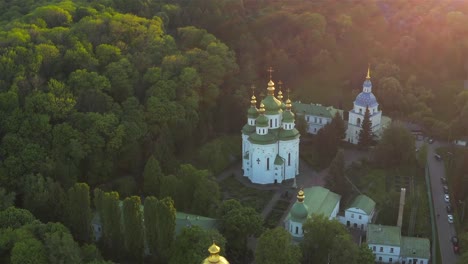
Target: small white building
389 246
359 213
314 200
462 142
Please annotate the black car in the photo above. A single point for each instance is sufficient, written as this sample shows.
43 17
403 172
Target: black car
456 248
443 180
449 209
445 189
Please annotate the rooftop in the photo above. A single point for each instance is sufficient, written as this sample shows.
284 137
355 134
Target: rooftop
384 235
415 247
187 220
364 203
311 109
320 200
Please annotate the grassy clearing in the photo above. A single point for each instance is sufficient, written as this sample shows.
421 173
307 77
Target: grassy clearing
233 189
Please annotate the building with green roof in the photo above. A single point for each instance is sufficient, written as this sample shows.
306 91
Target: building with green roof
389 246
315 115
315 200
270 141
359 213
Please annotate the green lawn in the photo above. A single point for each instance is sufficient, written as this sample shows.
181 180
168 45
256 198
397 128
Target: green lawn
233 189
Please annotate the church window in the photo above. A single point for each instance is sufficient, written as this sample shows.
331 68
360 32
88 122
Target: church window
268 163
289 159
315 119
391 250
271 122
320 120
276 122
373 248
360 110
381 249
390 260
360 217
358 122
380 258
297 229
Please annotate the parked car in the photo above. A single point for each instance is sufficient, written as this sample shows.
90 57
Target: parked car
431 141
456 248
450 218
449 209
437 157
443 180
445 189
446 198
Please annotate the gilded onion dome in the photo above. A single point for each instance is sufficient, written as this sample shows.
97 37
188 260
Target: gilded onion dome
253 111
262 120
214 257
299 211
288 115
272 105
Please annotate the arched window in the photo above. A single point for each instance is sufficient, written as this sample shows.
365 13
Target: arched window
289 159
268 163
271 122
297 229
358 121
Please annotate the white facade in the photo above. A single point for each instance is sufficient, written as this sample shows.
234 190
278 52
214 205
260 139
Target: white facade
270 141
356 218
365 99
386 254
315 123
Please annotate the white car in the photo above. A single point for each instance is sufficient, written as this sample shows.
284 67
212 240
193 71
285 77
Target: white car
446 198
450 219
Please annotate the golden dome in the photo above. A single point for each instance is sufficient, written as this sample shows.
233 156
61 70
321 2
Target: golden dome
288 104
280 95
262 109
253 101
214 257
271 88
300 196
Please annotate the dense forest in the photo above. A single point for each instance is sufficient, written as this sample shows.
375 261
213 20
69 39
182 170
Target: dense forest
147 97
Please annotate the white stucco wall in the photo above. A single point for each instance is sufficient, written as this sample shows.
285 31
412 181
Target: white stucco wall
356 218
384 253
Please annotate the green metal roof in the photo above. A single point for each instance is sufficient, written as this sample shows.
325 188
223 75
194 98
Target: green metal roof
262 121
288 134
248 129
278 160
364 203
187 220
384 235
252 112
311 109
288 116
272 105
266 139
299 212
319 200
415 247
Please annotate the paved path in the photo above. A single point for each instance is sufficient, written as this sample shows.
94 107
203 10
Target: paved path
444 229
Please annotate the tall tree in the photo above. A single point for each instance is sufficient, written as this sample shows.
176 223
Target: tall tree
151 225
275 247
366 256
133 227
237 224
79 212
336 180
111 222
323 241
366 136
152 175
396 148
165 219
6 199
191 244
28 251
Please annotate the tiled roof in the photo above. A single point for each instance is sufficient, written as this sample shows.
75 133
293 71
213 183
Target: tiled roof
415 247
384 235
364 203
311 109
320 200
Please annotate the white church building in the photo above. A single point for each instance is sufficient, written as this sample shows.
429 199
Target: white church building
365 100
270 141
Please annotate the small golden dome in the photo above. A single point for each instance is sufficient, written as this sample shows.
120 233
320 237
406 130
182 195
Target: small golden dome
280 95
262 108
254 100
214 257
288 104
300 196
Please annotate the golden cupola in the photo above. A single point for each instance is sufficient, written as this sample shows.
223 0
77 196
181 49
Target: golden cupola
214 257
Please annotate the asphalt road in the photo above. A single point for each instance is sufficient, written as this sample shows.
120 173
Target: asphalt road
445 230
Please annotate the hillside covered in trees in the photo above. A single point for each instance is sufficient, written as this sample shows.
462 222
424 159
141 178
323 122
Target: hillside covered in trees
126 95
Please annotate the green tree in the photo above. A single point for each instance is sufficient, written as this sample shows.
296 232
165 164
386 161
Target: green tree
61 248
366 136
237 223
28 251
275 247
133 227
336 180
111 222
13 217
366 256
396 148
152 175
79 212
325 240
192 243
151 225
6 199
165 221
